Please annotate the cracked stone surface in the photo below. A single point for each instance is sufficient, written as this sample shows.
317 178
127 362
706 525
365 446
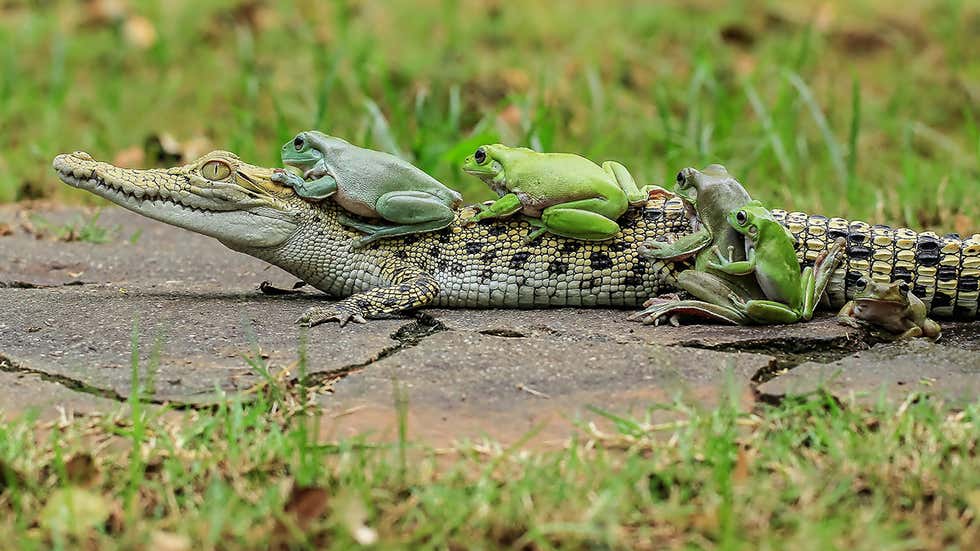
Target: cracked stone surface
67 311
21 391
889 371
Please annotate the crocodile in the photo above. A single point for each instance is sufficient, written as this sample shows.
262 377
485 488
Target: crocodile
491 264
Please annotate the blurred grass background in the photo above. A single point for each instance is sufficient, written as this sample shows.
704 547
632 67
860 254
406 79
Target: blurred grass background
854 108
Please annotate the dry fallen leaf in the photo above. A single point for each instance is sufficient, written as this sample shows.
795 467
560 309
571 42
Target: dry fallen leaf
962 224
101 12
307 504
139 32
511 115
5 229
81 470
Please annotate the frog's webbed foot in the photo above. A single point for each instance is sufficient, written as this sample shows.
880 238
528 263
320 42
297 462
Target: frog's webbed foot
286 178
661 309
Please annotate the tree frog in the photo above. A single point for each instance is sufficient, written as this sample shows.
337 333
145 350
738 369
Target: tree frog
368 183
891 307
709 195
572 196
770 254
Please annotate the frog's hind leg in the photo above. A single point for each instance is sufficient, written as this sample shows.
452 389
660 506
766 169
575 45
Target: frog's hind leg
412 211
634 194
716 302
587 219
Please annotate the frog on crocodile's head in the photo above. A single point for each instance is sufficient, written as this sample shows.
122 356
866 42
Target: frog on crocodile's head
889 307
368 183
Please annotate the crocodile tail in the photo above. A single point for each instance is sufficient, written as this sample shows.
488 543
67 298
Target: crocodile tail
943 271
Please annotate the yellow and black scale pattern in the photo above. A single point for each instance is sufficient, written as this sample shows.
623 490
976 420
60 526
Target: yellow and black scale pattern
490 265
942 271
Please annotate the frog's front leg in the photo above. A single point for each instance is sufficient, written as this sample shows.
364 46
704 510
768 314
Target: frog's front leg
504 206
412 212
737 268
314 190
635 195
683 248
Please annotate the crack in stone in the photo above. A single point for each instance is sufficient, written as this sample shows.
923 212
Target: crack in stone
407 336
18 284
7 365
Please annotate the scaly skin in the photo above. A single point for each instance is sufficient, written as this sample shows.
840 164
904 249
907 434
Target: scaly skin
488 265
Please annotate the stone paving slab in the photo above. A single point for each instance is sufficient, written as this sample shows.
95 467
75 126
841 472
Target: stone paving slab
464 372
889 371
20 392
510 384
84 334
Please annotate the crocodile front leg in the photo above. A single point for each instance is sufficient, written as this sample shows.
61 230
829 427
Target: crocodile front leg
409 287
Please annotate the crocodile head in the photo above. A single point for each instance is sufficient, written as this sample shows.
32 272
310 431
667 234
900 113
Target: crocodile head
217 195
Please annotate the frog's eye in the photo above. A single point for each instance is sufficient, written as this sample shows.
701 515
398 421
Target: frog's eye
904 288
741 217
216 170
298 143
861 284
480 156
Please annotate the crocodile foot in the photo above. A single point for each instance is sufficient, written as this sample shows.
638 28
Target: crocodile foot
342 312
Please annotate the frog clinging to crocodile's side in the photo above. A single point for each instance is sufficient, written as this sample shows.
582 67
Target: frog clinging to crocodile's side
757 280
890 310
572 196
708 196
770 256
369 183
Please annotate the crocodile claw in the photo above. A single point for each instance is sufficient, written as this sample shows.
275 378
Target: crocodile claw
319 314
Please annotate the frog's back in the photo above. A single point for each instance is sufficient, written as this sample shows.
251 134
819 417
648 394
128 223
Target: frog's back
550 178
368 174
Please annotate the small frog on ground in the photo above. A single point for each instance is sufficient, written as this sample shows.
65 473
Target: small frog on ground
890 307
368 183
572 196
770 255
709 195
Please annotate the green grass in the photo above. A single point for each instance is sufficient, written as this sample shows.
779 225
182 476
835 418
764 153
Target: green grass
847 108
809 473
803 475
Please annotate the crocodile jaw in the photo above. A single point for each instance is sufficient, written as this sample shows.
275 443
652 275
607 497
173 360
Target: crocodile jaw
226 211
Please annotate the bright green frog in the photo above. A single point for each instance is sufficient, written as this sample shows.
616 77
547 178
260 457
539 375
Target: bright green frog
890 307
770 255
368 183
572 196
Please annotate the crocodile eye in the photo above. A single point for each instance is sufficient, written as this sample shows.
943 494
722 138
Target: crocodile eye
480 156
904 287
741 217
216 170
298 143
861 284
